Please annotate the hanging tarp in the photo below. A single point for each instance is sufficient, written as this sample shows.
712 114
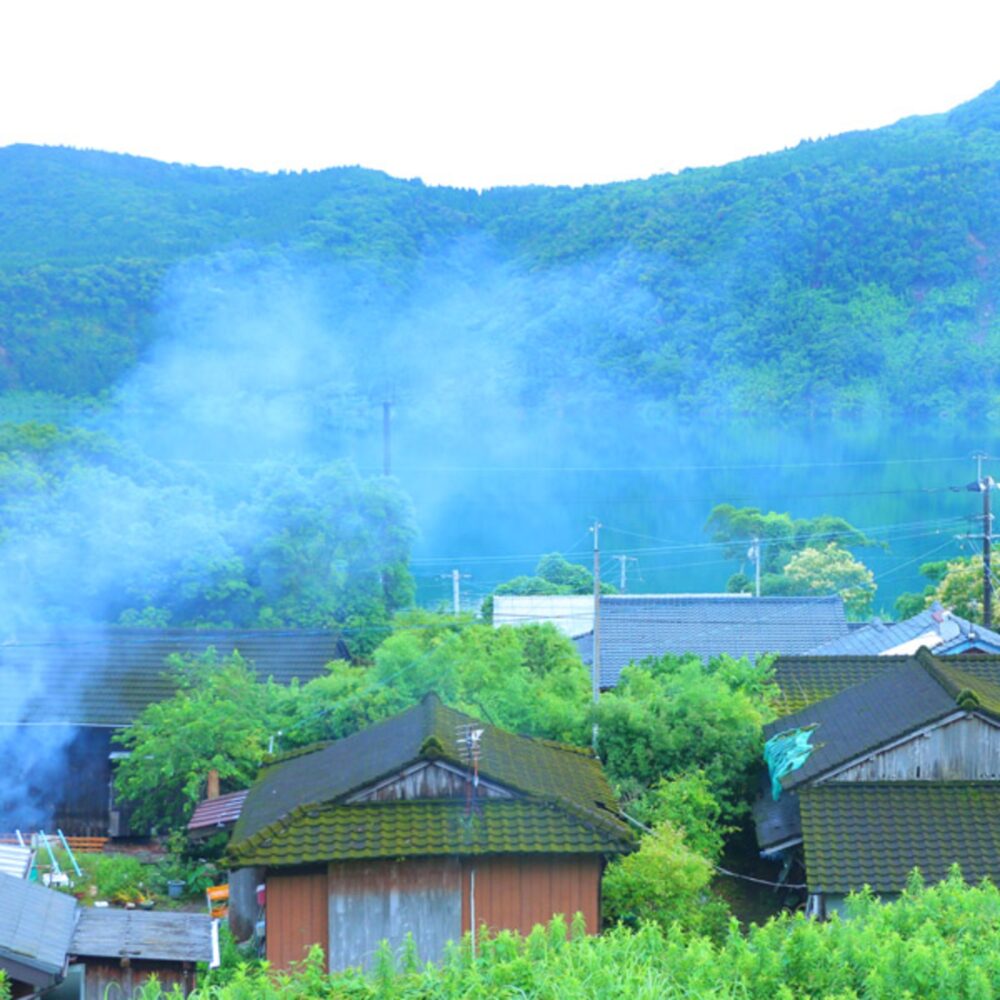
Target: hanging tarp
786 752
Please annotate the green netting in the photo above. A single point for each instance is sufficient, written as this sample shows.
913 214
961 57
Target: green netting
786 752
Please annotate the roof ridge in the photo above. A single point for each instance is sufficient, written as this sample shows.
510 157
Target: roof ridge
968 691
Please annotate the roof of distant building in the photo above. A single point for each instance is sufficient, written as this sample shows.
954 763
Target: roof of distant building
634 627
876 833
934 628
106 675
217 813
572 614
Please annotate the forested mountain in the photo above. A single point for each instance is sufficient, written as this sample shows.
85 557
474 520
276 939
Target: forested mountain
859 274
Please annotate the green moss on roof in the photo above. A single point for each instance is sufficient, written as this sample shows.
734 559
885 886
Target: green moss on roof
539 773
875 833
423 828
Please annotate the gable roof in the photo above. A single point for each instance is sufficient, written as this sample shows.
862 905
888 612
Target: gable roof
106 675
36 926
635 627
935 628
566 777
895 702
805 680
875 833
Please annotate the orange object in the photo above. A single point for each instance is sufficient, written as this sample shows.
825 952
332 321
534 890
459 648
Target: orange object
217 897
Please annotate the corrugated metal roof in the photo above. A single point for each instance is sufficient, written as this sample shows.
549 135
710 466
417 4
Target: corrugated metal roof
218 812
36 925
15 860
168 937
106 676
635 627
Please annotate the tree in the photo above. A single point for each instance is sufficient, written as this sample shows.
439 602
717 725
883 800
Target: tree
664 882
554 574
672 715
832 570
956 583
221 717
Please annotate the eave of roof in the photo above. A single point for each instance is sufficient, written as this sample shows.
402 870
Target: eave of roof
875 833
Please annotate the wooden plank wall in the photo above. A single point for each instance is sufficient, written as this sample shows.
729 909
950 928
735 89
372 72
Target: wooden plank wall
372 901
968 748
516 892
296 915
105 978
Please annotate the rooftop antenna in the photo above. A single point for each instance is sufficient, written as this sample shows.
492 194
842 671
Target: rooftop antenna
623 562
470 747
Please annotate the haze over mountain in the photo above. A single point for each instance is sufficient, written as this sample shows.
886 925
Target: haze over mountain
856 275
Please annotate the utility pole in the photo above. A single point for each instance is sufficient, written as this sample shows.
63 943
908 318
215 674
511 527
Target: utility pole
386 437
983 485
754 554
623 562
595 670
456 578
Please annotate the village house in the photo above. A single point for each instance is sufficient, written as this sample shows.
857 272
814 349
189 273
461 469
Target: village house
882 764
81 685
634 627
430 823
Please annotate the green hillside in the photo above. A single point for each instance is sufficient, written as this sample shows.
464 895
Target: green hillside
856 275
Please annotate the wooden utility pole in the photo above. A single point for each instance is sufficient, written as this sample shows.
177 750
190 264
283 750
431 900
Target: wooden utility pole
386 437
984 485
595 669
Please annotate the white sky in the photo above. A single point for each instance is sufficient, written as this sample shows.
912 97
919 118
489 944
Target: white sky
480 92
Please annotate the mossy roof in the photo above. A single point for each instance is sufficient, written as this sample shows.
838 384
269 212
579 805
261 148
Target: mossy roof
911 694
875 833
805 680
426 828
290 806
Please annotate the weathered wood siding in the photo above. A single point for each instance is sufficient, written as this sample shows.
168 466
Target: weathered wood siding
121 980
427 781
965 748
243 906
296 914
375 900
515 892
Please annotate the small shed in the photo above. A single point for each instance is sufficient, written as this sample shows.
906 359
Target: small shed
117 951
398 830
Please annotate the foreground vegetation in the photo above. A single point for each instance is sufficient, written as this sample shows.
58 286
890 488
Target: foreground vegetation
938 943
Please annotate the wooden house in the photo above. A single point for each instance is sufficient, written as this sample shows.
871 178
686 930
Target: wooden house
430 823
64 692
896 767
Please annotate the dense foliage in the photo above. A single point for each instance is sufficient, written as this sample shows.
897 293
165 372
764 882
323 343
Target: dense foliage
93 528
936 943
956 583
798 556
812 281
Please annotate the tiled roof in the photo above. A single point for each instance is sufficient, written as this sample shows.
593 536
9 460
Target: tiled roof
106 676
567 777
635 627
217 812
36 925
420 828
138 934
934 628
893 703
804 680
875 833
